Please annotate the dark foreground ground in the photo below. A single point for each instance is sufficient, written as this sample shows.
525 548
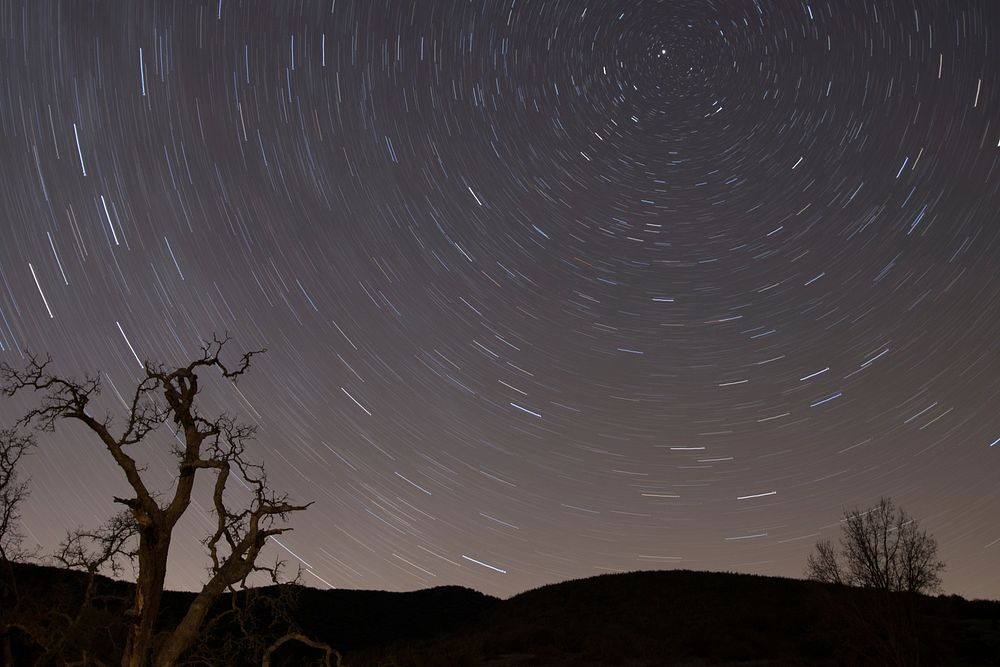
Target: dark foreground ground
641 618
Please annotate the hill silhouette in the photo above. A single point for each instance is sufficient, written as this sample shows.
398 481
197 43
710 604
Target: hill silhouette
674 617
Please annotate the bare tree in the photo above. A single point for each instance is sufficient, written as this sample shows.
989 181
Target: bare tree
13 493
881 548
217 444
823 565
62 628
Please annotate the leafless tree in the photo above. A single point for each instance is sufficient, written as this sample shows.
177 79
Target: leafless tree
13 493
215 444
881 548
823 565
62 628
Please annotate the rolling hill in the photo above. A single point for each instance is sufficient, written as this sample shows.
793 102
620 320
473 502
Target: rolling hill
640 618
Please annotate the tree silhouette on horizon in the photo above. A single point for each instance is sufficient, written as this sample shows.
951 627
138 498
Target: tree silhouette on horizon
881 548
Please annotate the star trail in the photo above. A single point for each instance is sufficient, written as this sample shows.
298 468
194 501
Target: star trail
550 288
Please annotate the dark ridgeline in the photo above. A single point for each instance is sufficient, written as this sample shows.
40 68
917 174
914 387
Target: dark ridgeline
640 618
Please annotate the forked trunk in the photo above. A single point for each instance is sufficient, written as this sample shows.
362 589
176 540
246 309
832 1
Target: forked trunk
183 636
153 549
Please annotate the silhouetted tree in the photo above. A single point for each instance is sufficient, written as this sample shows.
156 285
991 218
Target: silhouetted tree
13 493
62 629
881 548
217 444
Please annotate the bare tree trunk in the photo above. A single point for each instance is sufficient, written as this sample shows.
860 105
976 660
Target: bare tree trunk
183 636
153 548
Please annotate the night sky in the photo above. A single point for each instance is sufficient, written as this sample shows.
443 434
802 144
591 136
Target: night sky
550 288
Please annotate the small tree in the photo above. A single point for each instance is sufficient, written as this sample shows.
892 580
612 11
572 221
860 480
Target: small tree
62 628
217 444
13 493
881 548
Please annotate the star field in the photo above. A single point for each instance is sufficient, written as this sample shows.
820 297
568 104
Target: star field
550 288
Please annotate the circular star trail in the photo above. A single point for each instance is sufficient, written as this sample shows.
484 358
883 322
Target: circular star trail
549 288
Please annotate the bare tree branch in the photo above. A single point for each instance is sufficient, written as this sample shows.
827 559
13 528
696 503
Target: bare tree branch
328 651
102 549
69 399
